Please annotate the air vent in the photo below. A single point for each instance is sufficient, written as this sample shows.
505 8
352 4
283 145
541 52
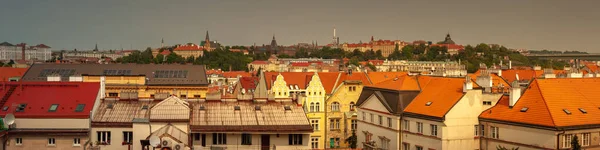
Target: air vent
256 107
109 106
582 110
236 107
202 108
145 107
524 109
287 108
428 103
567 111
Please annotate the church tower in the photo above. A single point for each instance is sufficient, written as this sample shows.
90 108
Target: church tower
207 41
274 47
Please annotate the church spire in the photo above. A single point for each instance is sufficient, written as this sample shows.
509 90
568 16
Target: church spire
96 47
207 41
162 42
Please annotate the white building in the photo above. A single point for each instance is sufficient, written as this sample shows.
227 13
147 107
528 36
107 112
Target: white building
39 52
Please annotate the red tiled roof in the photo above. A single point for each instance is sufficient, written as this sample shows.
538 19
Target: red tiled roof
165 52
300 64
260 62
40 96
377 77
291 78
248 83
546 100
8 72
213 71
443 93
328 79
356 76
510 75
42 46
376 62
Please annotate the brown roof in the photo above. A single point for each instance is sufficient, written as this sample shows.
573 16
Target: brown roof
122 112
443 93
394 100
546 101
171 108
157 74
271 117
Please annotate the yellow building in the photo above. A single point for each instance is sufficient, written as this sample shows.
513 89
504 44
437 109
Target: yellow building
189 50
129 81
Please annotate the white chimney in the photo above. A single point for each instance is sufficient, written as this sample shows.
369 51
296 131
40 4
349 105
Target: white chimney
549 73
509 64
468 85
53 78
515 93
75 79
102 87
484 79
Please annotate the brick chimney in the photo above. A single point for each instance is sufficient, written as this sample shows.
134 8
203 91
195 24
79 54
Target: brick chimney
515 94
23 51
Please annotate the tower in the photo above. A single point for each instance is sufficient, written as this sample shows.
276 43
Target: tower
162 42
207 41
274 46
96 47
335 40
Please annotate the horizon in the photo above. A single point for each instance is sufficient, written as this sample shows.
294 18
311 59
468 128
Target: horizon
65 25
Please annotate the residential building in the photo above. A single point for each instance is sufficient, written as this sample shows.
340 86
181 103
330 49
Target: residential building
129 81
386 47
48 115
434 68
189 50
23 51
295 65
225 77
545 115
452 47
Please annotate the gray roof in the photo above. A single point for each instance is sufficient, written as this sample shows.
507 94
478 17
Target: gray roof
6 44
157 74
395 101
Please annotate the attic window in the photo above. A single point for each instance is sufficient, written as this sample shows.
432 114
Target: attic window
524 109
202 108
567 111
145 107
428 103
21 107
236 107
53 108
256 107
79 107
287 108
582 110
5 108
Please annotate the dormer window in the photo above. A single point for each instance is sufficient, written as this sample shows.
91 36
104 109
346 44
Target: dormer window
202 108
287 108
53 108
236 107
79 107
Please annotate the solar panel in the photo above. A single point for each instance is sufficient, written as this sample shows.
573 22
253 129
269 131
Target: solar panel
170 74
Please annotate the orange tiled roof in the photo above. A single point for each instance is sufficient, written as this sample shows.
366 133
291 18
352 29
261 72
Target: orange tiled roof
291 78
8 72
592 67
496 80
404 82
328 79
510 75
377 77
357 76
443 93
546 99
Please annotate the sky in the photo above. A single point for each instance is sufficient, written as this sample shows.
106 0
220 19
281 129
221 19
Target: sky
115 24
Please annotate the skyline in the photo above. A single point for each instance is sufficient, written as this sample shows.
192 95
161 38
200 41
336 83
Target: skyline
553 25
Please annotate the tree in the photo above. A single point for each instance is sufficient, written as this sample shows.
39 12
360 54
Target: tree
352 140
372 67
407 52
159 59
575 143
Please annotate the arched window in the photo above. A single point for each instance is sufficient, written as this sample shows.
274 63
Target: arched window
351 106
335 106
312 107
317 107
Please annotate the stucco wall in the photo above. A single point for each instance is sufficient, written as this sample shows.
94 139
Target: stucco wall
52 123
35 142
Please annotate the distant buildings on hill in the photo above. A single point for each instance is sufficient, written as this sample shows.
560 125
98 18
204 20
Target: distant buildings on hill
24 52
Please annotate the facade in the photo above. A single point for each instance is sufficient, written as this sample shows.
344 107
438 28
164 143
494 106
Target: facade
129 81
190 50
23 51
557 110
435 68
48 115
112 54
295 65
386 46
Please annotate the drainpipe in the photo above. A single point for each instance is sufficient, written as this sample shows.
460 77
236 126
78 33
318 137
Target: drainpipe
479 132
558 139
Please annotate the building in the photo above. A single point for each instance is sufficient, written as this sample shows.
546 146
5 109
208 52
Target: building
190 50
11 74
23 51
453 48
98 54
129 81
545 115
380 110
225 77
48 115
386 47
434 68
208 44
295 65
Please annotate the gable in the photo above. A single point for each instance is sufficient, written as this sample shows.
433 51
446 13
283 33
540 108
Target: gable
374 103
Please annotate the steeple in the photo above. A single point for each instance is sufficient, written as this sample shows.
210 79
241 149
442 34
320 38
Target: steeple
207 41
162 42
96 47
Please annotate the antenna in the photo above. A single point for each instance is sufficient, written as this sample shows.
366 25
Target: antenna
154 141
9 119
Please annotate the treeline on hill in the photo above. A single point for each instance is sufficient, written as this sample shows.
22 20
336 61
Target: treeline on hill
555 52
471 57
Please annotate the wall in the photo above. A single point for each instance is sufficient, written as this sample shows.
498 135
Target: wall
344 97
378 131
141 131
55 123
33 142
116 138
426 140
234 141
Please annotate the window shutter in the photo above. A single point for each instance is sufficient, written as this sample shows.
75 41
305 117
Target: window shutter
214 138
300 136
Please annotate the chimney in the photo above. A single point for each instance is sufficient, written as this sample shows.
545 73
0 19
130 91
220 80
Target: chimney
102 87
468 85
484 79
549 73
23 51
515 93
509 64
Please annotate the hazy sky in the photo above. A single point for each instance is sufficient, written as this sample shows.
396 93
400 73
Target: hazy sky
69 24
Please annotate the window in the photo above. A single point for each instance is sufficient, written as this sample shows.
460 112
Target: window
103 137
76 142
334 124
482 127
128 137
389 120
487 102
351 106
196 136
476 130
567 140
406 125
419 147
295 139
385 144
405 146
183 96
372 118
196 96
113 94
335 106
18 141
585 139
51 141
494 131
354 124
434 130
53 108
219 138
420 127
315 124
246 139
364 115
314 142
317 107
79 107
312 107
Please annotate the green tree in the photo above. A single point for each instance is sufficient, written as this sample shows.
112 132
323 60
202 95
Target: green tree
575 143
372 67
159 59
352 140
407 52
146 56
190 59
174 58
395 55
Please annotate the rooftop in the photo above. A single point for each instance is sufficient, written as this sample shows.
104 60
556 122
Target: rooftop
8 72
441 93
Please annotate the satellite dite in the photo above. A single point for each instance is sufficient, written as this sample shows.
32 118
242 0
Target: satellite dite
9 120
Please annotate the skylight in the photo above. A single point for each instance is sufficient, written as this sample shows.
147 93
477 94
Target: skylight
567 111
256 107
582 110
145 107
79 107
53 108
524 109
21 107
110 106
428 103
236 107
287 108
